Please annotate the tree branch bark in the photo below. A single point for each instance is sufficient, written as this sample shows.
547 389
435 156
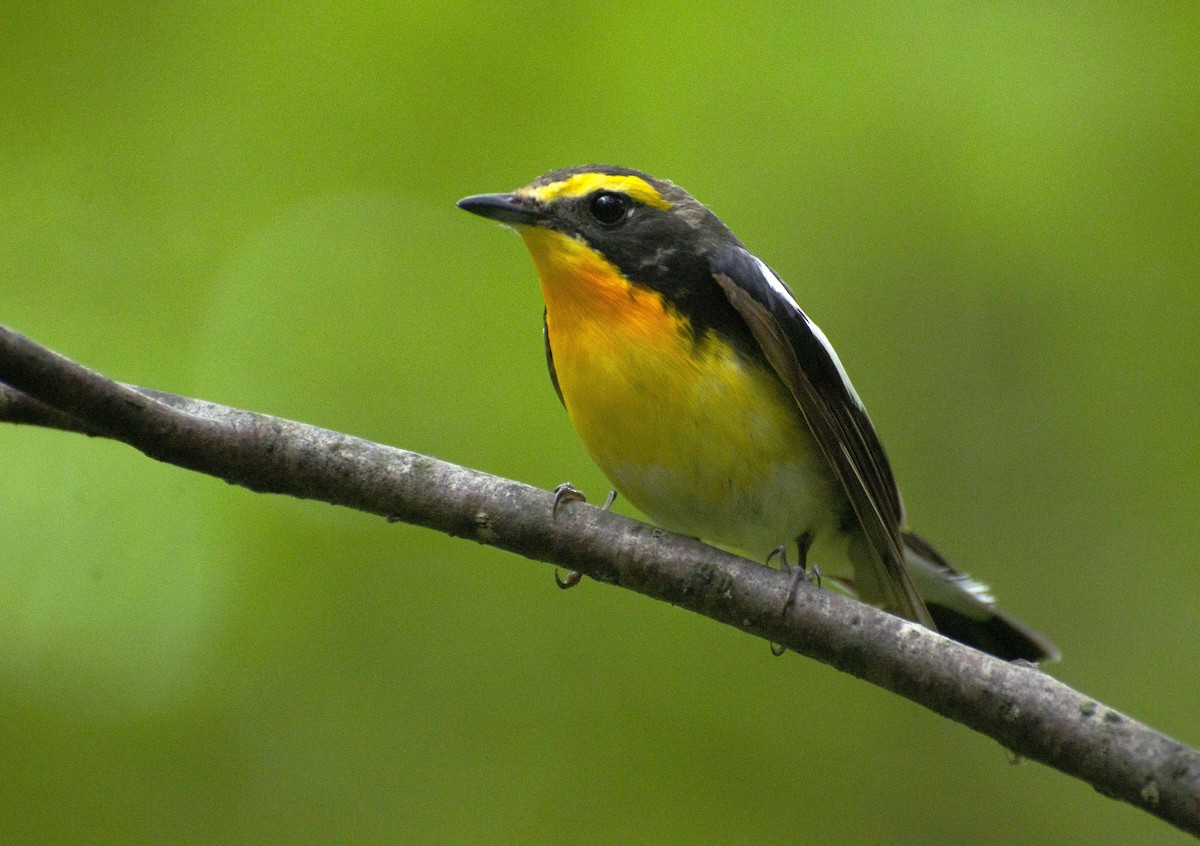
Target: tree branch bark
1021 707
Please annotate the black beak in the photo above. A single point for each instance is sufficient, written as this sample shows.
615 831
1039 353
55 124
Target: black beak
506 208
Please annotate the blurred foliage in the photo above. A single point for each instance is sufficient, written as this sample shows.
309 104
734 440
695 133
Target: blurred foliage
993 210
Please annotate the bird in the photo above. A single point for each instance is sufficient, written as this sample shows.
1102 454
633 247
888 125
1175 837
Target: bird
716 406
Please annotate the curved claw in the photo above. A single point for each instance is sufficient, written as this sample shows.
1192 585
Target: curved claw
566 492
573 578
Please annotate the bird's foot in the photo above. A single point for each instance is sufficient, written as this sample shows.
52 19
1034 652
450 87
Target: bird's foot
564 493
801 572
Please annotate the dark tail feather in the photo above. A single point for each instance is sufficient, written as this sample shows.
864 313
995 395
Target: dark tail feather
964 610
998 635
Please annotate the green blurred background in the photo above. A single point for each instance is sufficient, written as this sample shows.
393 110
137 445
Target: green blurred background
991 209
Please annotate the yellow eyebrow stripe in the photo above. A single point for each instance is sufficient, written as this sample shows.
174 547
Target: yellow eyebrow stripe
582 184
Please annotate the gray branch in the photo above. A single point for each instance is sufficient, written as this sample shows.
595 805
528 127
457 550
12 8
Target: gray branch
1024 709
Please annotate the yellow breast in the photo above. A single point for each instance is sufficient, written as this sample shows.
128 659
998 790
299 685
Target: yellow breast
703 440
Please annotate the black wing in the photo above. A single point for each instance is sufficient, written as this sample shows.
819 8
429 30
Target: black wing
802 357
550 360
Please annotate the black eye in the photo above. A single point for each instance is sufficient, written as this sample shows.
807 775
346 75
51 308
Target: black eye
609 208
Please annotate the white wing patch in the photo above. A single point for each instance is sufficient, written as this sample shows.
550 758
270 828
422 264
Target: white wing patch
945 587
779 288
974 587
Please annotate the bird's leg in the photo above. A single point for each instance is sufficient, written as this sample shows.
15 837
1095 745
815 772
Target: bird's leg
566 492
800 571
